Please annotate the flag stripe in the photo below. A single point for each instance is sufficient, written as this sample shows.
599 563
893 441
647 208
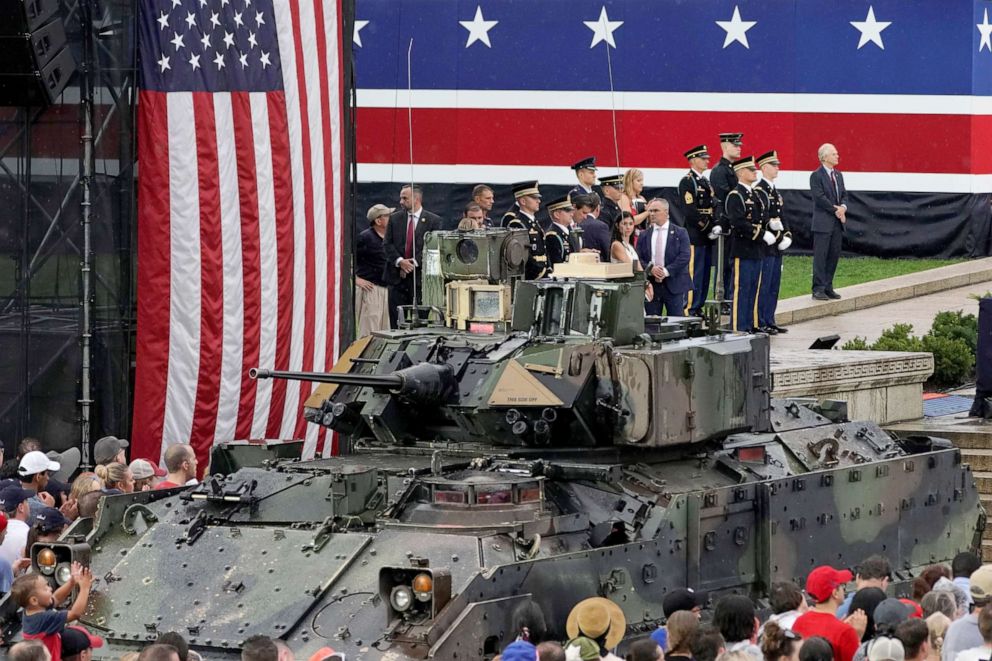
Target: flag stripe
232 270
304 234
184 290
248 183
656 139
154 245
285 213
211 275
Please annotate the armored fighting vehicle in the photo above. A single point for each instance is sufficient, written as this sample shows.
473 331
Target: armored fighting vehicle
517 440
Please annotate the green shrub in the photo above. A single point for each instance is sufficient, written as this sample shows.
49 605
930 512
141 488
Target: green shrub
953 359
898 338
956 325
857 344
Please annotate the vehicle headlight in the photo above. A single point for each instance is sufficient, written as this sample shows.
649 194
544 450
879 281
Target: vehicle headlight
63 573
423 584
401 598
46 561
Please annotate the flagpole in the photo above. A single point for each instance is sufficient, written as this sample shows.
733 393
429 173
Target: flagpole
86 267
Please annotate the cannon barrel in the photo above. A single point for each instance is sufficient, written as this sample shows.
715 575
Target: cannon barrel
424 383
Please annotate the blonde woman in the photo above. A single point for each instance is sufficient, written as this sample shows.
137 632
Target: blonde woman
937 624
117 477
632 198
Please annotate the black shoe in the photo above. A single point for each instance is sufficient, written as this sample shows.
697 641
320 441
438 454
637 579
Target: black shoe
820 296
725 308
770 330
780 329
832 294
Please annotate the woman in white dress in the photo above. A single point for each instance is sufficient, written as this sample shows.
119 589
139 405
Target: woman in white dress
622 248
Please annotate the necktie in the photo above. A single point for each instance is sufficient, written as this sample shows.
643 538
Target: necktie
410 226
833 180
659 247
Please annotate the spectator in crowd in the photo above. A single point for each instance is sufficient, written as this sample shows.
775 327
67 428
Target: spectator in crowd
645 649
780 644
27 444
14 503
528 622
963 633
79 644
549 650
599 620
816 648
737 621
473 218
866 600
47 527
873 572
915 639
939 601
83 484
682 627
109 449
6 569
595 233
33 473
29 650
180 462
404 245
887 616
117 478
826 586
684 599
89 503
484 197
622 248
146 474
259 648
159 652
937 625
41 620
285 654
372 311
519 650
739 655
664 252
925 582
961 599
707 644
829 220
632 199
964 565
787 603
885 648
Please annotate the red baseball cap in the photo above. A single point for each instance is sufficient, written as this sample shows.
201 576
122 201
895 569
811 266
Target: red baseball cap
3 521
823 580
916 608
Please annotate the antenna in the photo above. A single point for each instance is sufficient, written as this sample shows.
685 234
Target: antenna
409 118
613 103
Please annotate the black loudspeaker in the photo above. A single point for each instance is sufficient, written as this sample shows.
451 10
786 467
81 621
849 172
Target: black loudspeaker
35 62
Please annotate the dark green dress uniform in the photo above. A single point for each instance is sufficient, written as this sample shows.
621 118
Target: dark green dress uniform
557 239
771 263
744 213
516 219
724 180
697 200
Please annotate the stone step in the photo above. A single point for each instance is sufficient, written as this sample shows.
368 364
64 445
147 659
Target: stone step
987 550
980 459
983 481
962 435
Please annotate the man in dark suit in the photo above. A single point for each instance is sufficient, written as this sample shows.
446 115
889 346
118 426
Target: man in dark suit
663 250
595 236
829 218
404 247
747 217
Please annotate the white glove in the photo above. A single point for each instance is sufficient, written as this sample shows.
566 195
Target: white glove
785 243
775 224
768 238
715 232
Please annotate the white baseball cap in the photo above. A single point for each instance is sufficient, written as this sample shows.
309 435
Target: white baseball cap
36 462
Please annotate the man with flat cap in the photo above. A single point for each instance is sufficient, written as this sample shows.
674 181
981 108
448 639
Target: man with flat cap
697 200
557 238
612 187
724 179
744 212
585 172
523 216
771 263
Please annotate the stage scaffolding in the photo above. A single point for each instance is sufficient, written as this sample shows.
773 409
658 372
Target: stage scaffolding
67 258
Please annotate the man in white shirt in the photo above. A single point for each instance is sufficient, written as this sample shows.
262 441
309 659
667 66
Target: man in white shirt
14 502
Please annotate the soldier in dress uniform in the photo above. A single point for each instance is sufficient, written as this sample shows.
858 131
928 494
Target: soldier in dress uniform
557 239
612 188
771 263
744 213
523 215
697 200
723 179
585 172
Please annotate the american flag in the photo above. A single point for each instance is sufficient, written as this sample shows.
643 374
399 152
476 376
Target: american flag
506 90
240 217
